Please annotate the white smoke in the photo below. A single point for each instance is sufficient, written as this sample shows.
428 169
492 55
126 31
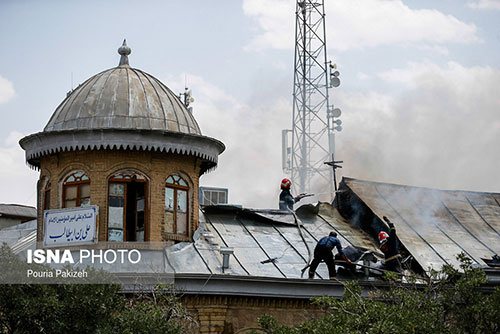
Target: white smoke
441 131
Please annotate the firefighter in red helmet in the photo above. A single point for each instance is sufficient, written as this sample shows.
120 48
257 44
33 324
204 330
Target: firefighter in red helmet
286 199
389 246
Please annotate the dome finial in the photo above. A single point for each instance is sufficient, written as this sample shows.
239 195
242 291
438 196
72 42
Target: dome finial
124 51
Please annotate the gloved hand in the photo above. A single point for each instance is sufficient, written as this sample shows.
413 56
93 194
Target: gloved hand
299 197
346 259
391 225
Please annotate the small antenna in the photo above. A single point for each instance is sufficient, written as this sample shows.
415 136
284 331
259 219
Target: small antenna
71 90
186 97
334 164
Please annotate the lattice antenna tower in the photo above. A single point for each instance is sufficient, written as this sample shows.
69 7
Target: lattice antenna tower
314 123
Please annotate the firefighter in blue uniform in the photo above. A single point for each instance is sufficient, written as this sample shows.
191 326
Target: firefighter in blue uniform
323 252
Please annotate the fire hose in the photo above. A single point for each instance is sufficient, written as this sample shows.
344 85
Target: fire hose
297 223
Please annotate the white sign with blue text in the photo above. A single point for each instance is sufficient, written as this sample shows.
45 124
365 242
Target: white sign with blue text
70 227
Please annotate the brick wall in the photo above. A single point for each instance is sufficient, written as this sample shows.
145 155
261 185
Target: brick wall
231 314
99 165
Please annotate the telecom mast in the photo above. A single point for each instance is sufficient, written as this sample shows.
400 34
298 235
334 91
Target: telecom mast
314 123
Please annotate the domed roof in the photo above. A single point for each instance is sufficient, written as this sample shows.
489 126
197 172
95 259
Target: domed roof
123 98
122 108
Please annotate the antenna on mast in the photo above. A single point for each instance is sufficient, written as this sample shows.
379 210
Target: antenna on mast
313 122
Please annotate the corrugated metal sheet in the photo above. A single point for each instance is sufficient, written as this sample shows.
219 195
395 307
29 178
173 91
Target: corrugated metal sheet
435 225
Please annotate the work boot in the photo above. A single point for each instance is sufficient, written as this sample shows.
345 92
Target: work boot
311 275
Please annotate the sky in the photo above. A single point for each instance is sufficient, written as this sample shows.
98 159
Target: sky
419 91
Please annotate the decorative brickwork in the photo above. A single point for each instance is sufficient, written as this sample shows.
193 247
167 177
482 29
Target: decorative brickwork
99 165
231 314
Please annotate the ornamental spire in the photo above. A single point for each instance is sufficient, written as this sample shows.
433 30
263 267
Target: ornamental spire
124 51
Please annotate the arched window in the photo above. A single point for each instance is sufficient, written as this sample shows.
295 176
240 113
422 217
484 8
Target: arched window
127 206
76 190
176 205
46 196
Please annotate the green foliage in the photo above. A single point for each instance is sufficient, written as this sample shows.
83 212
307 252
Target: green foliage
448 302
155 312
57 308
468 309
84 308
270 325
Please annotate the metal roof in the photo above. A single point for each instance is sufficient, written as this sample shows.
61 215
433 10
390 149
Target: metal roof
19 237
266 243
17 210
269 252
433 225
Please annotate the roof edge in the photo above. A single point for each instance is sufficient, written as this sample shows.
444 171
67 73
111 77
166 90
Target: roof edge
347 179
50 142
256 286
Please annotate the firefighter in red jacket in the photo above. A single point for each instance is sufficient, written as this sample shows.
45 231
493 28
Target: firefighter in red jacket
390 247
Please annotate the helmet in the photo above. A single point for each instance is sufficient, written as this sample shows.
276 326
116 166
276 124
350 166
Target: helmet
285 184
382 237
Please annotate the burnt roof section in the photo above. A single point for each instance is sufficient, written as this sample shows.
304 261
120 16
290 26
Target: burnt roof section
433 225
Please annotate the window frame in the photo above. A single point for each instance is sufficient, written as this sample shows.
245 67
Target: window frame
78 183
208 193
127 176
176 186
